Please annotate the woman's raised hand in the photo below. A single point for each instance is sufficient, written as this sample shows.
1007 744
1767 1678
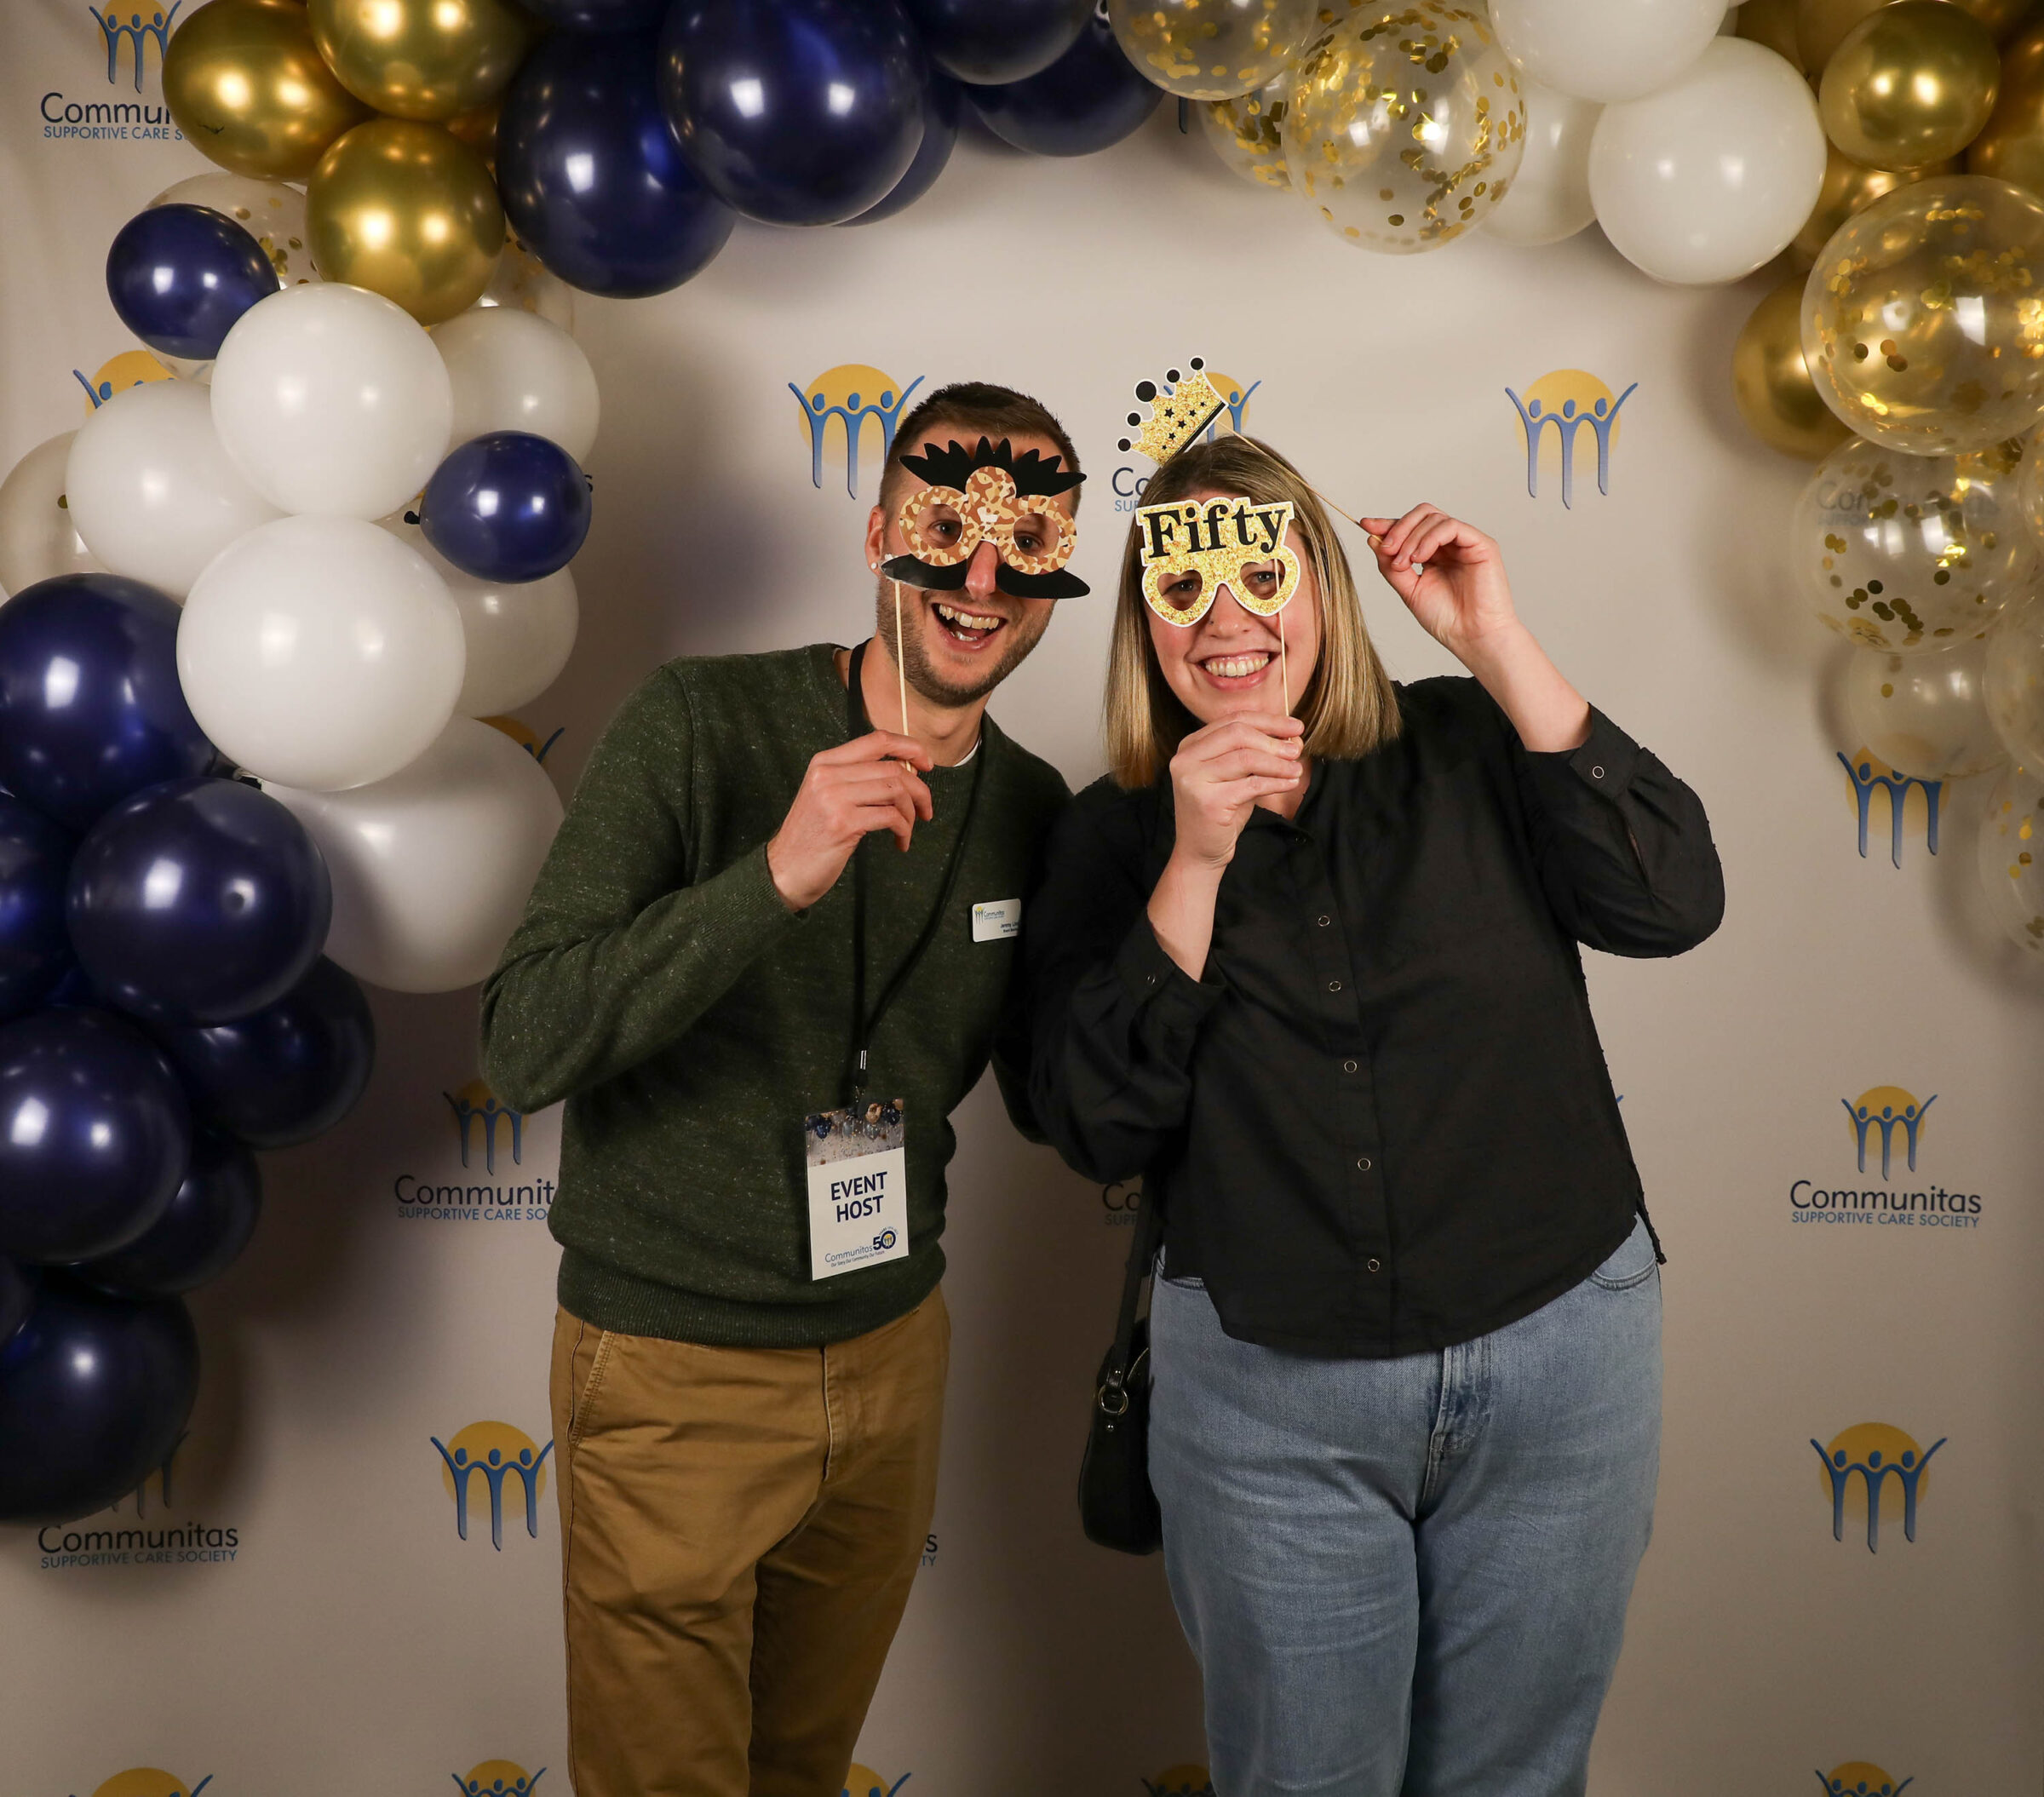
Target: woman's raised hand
1450 575
1218 774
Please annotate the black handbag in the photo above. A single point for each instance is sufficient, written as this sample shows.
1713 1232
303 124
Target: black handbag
1117 1506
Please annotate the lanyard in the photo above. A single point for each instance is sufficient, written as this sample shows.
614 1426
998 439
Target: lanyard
863 1025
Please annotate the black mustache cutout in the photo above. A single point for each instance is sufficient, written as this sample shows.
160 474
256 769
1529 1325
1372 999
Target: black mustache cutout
1035 476
1062 583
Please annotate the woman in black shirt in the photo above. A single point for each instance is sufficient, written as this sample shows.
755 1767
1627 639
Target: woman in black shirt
1316 978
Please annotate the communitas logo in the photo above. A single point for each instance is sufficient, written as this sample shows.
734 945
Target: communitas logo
496 1454
1886 1125
526 737
498 1778
850 394
133 43
96 1542
1219 407
131 368
491 1137
1858 1779
1119 1203
1871 1469
1569 400
1913 801
149 1781
862 1781
1181 1780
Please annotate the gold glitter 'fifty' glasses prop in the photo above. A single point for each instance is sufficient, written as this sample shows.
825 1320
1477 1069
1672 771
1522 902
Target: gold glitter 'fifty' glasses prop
1190 548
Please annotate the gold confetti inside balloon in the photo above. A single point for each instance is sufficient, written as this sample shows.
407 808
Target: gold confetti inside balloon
2014 682
1772 381
1850 186
1923 321
2011 144
2012 841
1406 126
245 82
403 209
1925 714
1248 132
1211 49
1907 552
1912 83
422 59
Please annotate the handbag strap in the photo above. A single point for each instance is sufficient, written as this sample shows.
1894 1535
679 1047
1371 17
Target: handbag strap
1113 1395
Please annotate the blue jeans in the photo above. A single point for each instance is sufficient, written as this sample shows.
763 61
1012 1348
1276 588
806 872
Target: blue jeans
1408 1578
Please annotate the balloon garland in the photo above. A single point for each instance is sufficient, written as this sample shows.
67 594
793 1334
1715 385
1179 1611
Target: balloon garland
259 611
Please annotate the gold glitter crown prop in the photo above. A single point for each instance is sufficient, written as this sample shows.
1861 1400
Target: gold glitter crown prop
1179 412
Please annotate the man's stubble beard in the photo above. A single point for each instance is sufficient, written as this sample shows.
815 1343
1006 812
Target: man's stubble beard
909 657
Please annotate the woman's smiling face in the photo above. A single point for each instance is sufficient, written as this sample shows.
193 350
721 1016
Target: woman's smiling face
1229 665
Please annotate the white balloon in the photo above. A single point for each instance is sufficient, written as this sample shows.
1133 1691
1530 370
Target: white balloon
321 653
332 400
514 372
153 493
39 539
1925 714
1709 178
1549 197
432 867
1604 49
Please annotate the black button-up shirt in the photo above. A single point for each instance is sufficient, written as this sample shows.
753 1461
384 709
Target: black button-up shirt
1380 1123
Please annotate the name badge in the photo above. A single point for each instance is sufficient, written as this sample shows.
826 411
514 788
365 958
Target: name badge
858 1187
994 920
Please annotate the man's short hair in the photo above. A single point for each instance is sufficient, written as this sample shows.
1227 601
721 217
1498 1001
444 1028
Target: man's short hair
968 411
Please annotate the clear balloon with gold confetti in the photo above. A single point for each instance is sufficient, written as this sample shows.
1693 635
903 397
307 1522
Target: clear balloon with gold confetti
1910 552
1248 132
2012 839
1212 49
1406 126
2014 682
523 282
1923 320
1926 714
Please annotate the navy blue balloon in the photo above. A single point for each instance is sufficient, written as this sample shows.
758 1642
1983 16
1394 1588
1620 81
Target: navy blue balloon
35 953
1089 98
592 178
507 506
996 41
180 276
95 1391
288 1073
17 1297
801 112
940 112
600 16
95 1135
90 708
211 1218
198 901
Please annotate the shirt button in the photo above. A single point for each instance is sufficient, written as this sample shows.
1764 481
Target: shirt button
1149 980
1348 1066
1363 1163
1333 985
1375 1266
1325 920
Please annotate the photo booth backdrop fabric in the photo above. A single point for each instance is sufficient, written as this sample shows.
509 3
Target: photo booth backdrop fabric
291 1610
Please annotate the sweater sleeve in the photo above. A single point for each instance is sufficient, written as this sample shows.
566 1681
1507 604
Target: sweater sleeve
622 948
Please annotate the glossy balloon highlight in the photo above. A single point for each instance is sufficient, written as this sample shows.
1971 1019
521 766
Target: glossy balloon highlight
210 1219
248 87
507 506
180 276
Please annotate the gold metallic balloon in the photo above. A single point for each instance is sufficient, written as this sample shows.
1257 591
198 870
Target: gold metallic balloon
1923 321
1912 83
2010 146
1850 186
478 130
1910 552
1772 23
245 81
1405 126
1212 49
1248 132
422 59
1821 26
400 208
1772 381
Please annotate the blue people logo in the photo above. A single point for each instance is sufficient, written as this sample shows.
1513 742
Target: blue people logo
1912 800
496 1454
1857 1778
1876 1466
136 35
526 737
850 394
1883 1110
1181 1780
862 1781
1195 404
477 1111
498 1778
1572 400
131 368
149 1781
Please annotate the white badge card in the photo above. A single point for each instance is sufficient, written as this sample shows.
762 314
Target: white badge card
996 919
858 1186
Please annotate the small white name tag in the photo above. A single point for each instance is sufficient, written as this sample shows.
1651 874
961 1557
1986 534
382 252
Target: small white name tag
994 920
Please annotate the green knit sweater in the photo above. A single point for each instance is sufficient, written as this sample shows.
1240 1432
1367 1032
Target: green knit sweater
691 1020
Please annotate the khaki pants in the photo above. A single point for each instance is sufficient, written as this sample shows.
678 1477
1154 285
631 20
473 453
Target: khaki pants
739 1530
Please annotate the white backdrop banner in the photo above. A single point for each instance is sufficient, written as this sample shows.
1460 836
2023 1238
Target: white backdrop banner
346 1580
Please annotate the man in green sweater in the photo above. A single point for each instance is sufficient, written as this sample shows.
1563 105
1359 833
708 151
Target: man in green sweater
756 1015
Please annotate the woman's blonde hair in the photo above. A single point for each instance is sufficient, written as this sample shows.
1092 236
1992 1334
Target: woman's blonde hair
1348 708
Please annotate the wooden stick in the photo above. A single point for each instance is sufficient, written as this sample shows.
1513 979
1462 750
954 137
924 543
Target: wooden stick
901 672
1284 666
